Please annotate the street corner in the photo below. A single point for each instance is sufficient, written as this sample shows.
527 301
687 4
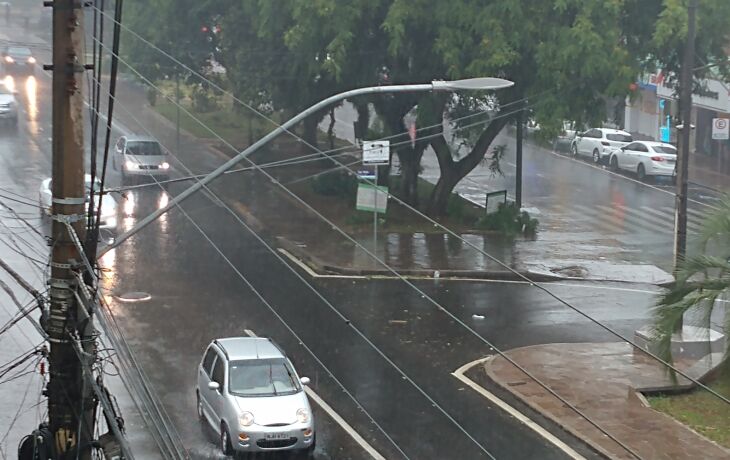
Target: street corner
599 397
592 270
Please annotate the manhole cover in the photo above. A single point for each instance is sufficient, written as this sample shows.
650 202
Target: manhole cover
137 296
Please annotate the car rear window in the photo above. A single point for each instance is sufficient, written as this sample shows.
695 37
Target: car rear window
19 51
619 138
143 148
665 149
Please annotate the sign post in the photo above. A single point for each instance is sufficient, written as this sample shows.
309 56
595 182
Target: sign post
374 153
721 129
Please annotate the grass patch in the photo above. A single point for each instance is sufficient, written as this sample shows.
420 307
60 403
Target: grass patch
236 128
700 410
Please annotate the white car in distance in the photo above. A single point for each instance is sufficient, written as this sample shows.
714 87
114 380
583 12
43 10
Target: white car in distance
646 158
108 203
598 143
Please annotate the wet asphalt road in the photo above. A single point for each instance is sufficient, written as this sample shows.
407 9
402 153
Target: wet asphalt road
196 296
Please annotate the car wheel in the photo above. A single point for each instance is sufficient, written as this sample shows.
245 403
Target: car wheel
574 150
614 163
596 157
201 416
225 440
641 172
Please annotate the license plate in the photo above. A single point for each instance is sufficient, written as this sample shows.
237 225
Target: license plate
274 436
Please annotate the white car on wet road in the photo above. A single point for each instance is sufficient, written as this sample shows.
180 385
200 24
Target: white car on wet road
646 159
108 203
598 143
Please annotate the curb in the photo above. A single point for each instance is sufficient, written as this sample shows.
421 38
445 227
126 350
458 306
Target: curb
325 268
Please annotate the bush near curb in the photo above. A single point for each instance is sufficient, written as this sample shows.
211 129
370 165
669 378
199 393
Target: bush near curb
509 220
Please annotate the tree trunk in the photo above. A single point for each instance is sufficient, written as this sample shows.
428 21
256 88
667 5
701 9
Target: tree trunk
439 201
331 129
309 131
452 172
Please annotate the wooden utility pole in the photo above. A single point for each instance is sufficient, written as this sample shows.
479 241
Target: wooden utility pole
71 408
685 103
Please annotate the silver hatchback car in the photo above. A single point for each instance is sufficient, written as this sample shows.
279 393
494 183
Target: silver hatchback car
249 393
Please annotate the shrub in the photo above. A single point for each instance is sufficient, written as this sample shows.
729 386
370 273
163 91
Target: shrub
203 102
337 183
509 220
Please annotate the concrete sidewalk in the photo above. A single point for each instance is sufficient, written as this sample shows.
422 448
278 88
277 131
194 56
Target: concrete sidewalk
604 381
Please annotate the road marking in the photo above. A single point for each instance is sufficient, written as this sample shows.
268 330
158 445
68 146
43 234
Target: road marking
459 374
608 171
314 274
335 416
668 215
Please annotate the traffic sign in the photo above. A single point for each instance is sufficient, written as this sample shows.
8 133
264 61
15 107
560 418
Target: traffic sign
720 128
376 152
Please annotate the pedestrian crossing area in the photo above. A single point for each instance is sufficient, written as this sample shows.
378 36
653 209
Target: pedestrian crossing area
625 220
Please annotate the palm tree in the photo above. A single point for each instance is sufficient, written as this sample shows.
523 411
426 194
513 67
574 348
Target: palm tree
701 281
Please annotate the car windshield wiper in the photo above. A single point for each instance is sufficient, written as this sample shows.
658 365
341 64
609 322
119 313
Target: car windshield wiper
271 379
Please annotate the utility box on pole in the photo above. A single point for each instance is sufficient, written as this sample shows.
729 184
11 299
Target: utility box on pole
71 407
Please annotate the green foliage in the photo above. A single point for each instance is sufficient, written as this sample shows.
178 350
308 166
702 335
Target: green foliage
701 281
203 101
509 221
336 183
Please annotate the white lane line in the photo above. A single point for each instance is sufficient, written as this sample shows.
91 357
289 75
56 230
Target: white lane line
335 416
668 215
635 220
459 374
345 426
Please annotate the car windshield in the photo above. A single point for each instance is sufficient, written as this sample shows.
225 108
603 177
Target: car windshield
665 149
262 377
619 137
143 148
4 90
19 51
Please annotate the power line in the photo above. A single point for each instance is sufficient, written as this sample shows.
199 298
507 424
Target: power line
435 223
423 294
408 283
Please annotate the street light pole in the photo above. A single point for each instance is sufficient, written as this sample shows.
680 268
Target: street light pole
473 84
685 102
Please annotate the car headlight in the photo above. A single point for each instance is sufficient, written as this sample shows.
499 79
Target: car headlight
129 164
9 60
31 60
165 165
245 419
303 415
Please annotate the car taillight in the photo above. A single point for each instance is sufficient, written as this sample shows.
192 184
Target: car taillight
657 158
607 144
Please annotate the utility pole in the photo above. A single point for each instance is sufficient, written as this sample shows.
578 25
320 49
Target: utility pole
685 103
71 408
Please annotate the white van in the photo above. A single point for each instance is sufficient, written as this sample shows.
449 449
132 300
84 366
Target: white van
141 156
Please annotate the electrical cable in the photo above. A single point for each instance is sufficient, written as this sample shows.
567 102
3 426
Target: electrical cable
423 294
539 286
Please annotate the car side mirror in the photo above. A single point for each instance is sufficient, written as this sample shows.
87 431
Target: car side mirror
214 386
304 380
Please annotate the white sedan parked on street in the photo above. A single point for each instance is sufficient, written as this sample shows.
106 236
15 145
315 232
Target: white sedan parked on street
108 203
646 158
598 143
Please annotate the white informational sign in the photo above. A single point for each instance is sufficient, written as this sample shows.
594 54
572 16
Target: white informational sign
371 199
376 152
494 199
721 128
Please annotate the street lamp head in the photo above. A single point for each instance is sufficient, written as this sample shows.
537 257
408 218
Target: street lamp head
472 84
